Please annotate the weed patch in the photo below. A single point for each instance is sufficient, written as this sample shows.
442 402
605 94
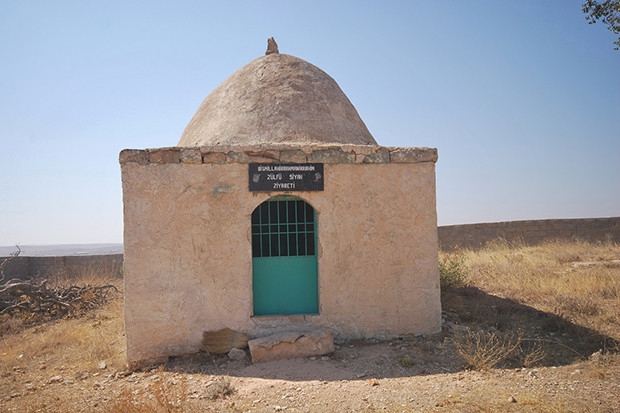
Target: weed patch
452 272
406 361
482 350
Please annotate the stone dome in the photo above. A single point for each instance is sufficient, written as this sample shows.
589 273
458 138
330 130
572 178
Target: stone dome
276 99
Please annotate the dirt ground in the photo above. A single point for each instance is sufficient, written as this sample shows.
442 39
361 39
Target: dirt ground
358 377
408 374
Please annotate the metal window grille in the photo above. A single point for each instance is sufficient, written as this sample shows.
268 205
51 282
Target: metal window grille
283 228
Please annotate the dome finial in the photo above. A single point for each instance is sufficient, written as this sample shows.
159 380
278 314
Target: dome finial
272 46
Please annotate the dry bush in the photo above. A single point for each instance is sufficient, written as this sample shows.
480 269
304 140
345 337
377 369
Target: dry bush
128 402
170 395
482 350
93 274
167 396
219 388
531 353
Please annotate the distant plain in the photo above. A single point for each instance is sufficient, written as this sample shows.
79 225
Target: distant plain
62 250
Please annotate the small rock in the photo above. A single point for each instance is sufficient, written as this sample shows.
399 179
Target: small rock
457 327
325 358
236 354
511 399
373 382
102 365
81 375
55 379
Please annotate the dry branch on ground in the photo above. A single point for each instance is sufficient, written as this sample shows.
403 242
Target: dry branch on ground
35 297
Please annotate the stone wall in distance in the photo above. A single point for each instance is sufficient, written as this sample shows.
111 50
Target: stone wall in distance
529 232
78 266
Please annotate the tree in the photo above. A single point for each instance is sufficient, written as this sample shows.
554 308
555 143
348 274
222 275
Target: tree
608 12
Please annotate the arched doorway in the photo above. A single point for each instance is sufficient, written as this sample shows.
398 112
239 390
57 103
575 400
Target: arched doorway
284 257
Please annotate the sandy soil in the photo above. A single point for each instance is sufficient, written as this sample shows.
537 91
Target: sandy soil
404 375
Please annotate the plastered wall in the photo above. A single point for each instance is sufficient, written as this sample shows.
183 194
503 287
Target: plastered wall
188 259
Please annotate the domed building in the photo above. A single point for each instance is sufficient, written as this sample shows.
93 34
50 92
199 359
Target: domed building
276 99
277 212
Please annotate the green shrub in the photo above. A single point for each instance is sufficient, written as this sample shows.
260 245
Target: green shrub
406 361
452 270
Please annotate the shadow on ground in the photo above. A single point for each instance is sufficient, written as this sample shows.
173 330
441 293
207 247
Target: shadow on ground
467 312
562 341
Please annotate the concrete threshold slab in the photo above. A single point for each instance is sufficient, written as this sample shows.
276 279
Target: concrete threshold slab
293 344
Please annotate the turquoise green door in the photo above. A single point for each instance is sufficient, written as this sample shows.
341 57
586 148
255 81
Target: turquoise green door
284 261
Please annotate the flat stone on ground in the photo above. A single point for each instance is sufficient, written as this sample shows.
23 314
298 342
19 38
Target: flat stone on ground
293 344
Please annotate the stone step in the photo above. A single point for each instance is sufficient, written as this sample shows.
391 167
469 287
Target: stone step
292 344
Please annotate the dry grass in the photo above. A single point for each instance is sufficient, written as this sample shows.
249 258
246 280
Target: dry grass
87 339
85 342
577 281
168 396
527 306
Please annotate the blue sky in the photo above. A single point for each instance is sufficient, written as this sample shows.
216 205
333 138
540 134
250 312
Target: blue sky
521 98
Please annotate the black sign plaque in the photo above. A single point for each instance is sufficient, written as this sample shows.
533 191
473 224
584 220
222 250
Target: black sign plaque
268 177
